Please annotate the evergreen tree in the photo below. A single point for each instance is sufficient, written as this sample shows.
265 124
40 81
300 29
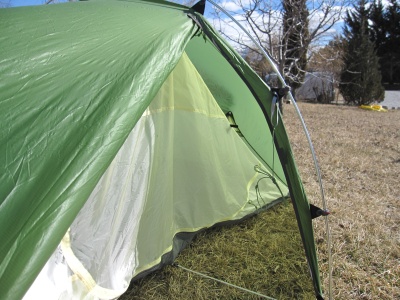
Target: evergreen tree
360 80
296 34
392 45
385 32
378 25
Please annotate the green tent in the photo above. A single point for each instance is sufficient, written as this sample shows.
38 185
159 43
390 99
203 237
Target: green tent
116 146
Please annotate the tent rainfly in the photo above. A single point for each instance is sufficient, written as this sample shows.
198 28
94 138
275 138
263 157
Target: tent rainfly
115 140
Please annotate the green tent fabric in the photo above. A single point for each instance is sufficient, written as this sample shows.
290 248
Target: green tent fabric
86 93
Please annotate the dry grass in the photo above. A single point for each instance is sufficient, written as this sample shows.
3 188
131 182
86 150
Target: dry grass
359 154
263 253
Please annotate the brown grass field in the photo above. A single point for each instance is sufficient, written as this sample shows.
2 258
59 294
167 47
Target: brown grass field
359 155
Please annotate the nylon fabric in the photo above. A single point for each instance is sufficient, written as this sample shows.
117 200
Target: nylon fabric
232 94
71 92
167 178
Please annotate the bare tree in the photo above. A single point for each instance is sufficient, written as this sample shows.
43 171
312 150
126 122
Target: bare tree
296 41
265 20
327 62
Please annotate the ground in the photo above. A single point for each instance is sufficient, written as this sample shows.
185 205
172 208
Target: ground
359 155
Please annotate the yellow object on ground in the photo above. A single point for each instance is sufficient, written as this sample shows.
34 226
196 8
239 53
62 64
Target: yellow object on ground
373 107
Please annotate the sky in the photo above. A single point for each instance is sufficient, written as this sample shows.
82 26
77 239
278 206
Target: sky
25 2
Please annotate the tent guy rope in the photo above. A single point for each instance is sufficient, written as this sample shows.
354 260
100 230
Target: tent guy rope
224 282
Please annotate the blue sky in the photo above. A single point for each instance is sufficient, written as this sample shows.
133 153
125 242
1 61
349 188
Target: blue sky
24 2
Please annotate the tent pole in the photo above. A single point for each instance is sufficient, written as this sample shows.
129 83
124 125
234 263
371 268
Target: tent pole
316 165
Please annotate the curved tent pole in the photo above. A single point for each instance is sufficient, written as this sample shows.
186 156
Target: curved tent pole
316 165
